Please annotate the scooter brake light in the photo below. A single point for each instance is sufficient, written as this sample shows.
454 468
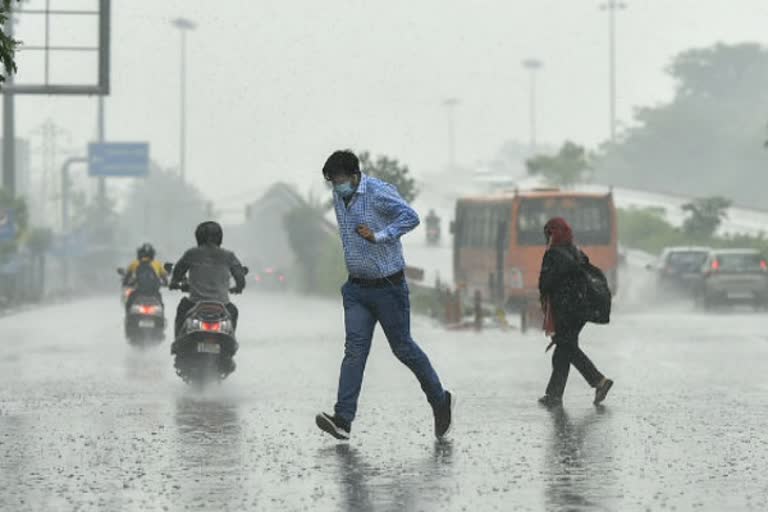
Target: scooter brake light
211 326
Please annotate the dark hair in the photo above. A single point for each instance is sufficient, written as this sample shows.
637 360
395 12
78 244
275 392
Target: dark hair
209 232
341 163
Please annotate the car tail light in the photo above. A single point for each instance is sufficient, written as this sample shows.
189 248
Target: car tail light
763 265
211 326
257 278
715 265
282 277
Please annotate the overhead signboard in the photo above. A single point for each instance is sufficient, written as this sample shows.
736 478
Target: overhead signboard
118 159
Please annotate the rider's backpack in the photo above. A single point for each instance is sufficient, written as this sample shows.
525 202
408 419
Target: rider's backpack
147 280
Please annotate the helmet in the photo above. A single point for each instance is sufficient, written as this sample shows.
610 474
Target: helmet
209 233
145 251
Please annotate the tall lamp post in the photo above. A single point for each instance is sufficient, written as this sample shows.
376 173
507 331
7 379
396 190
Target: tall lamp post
532 65
184 25
450 105
611 6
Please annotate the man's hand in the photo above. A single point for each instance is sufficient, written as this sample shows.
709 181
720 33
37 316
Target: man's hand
366 232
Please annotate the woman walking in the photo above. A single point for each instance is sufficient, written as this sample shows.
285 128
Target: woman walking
562 287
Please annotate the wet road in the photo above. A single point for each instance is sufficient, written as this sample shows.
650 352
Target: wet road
87 423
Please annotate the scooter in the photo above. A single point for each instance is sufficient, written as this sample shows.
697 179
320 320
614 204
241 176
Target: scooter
144 316
205 345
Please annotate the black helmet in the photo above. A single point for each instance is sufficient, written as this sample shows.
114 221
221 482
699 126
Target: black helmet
145 251
209 233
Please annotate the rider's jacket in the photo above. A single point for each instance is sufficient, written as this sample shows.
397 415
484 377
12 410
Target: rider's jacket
209 269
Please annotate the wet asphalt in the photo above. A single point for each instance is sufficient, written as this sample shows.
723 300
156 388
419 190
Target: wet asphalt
90 423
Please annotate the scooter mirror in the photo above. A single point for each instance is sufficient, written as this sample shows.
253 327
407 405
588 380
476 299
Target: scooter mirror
245 271
168 267
121 271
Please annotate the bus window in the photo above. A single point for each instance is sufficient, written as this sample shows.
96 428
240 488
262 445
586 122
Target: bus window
589 217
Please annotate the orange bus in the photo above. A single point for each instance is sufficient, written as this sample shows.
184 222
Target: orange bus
499 240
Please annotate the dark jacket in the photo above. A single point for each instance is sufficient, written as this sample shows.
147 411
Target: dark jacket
209 270
562 281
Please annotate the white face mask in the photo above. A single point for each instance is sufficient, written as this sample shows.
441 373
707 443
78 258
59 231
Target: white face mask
344 190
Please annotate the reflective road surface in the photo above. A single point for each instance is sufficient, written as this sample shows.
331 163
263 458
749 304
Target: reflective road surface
88 423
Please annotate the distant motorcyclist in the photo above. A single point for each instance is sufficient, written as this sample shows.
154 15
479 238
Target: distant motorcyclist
145 275
209 267
432 222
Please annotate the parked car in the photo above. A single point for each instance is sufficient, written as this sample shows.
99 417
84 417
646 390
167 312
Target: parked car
734 276
679 269
270 279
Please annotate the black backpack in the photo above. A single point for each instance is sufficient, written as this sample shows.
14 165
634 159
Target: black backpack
598 300
147 281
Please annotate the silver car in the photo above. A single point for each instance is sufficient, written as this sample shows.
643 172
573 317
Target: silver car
733 276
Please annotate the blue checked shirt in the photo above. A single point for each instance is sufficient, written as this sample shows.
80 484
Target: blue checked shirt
379 206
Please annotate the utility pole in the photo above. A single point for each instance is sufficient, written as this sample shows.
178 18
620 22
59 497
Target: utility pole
532 65
49 149
612 6
450 105
184 25
9 124
100 137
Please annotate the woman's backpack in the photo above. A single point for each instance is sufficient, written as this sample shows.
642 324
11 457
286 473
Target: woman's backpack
598 300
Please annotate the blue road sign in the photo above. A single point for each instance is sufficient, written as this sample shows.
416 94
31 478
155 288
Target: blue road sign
7 224
116 159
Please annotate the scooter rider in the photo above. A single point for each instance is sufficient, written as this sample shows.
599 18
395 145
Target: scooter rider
209 267
145 274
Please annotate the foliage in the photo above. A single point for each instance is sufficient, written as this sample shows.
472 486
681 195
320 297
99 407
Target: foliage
708 139
706 214
317 250
7 44
647 230
21 214
163 210
391 171
566 168
39 240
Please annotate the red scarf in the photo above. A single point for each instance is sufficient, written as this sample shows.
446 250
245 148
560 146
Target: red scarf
559 233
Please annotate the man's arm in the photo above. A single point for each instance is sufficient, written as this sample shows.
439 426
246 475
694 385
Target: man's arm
238 273
404 218
129 271
181 268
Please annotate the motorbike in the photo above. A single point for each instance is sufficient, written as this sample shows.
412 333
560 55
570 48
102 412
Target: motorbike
144 316
205 345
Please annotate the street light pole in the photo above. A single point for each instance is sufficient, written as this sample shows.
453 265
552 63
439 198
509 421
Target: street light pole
183 25
532 65
612 6
450 105
9 125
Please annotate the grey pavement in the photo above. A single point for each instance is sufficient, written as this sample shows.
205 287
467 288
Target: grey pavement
87 423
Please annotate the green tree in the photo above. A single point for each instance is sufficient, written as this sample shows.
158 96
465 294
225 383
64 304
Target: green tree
705 216
163 210
7 44
21 217
317 249
568 167
708 139
391 171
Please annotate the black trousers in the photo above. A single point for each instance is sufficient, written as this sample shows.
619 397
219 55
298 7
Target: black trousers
185 305
567 353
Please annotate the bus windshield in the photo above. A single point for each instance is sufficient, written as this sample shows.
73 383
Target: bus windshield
589 217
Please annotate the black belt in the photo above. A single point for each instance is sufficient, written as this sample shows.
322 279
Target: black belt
381 282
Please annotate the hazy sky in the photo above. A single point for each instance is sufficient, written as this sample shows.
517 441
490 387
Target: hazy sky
275 86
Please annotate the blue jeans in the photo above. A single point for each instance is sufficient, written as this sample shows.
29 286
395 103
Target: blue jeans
389 306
